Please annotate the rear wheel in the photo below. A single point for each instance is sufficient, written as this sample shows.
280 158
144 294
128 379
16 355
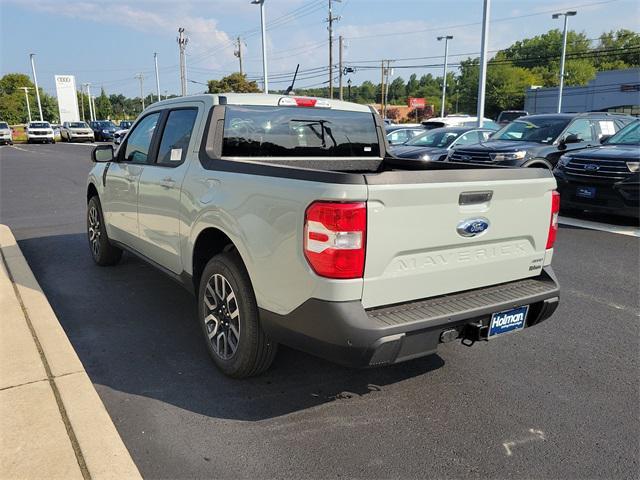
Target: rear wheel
228 315
102 251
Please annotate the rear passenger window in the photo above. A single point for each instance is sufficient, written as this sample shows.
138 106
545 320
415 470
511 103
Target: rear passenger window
468 138
581 128
176 136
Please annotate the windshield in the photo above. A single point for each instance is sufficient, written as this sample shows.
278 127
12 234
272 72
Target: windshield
105 125
539 130
125 124
258 131
78 125
39 125
629 135
434 138
4 125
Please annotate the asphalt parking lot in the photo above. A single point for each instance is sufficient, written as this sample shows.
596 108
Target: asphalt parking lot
560 400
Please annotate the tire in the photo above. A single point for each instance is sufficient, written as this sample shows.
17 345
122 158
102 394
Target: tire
235 317
102 251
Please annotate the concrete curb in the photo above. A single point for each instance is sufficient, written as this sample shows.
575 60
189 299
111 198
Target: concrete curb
99 450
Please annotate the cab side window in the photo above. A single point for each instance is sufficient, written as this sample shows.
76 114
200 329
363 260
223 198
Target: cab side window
581 128
175 137
139 140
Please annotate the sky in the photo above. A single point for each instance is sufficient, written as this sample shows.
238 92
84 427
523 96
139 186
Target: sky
107 43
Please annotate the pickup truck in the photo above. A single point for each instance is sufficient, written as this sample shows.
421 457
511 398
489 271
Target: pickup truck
292 224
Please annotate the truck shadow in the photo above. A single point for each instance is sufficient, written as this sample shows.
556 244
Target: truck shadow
135 331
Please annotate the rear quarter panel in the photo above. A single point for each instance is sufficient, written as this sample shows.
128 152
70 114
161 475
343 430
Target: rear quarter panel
264 218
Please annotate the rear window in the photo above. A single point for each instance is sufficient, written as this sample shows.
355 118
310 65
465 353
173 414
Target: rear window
510 116
262 131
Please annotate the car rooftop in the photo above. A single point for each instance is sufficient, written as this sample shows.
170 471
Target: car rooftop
258 99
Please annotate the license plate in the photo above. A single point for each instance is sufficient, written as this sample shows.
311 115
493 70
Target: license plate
507 321
586 192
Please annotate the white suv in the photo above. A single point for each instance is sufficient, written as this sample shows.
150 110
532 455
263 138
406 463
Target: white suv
5 134
40 132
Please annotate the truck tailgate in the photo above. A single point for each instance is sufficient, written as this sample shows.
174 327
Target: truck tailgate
415 249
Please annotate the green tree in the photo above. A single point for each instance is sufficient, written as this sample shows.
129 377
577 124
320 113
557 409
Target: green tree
626 41
13 106
236 82
103 106
397 93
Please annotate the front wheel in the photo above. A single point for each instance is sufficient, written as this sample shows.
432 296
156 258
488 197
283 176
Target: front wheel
229 319
102 251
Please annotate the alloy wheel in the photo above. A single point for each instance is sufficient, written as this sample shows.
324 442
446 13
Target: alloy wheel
221 316
94 230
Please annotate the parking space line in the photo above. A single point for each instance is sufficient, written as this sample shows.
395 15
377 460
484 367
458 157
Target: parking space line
604 227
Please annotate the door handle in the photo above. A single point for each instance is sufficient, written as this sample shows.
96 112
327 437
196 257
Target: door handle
167 182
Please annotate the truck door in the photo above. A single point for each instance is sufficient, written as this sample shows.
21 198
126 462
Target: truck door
120 198
159 195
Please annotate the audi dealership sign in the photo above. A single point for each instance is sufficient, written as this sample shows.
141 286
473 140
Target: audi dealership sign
67 98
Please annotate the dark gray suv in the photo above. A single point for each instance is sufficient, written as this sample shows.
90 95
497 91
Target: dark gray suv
540 140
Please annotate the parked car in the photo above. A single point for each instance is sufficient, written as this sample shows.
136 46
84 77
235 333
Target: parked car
123 128
508 116
292 224
398 134
458 121
540 140
435 144
39 132
76 132
103 130
603 179
6 137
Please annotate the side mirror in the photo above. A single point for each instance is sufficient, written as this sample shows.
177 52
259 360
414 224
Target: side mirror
605 138
102 153
571 138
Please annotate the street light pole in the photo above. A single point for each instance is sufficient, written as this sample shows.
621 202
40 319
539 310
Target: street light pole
444 71
26 96
482 78
35 81
566 16
91 116
155 60
265 77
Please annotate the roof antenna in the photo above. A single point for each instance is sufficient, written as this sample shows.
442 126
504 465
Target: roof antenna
290 87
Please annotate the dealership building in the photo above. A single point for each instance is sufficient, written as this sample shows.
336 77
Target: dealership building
610 91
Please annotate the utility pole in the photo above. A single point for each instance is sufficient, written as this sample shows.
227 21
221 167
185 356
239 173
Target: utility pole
26 96
238 53
93 103
331 19
35 81
444 71
263 28
566 16
482 78
382 89
340 64
387 72
82 103
91 117
155 60
182 45
140 78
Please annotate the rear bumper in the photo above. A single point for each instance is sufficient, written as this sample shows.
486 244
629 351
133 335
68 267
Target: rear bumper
346 333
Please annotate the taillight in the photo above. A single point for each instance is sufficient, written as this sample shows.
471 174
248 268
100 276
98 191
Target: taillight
334 238
303 102
553 225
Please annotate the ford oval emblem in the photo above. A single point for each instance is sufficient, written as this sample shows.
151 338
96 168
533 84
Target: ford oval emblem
472 227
